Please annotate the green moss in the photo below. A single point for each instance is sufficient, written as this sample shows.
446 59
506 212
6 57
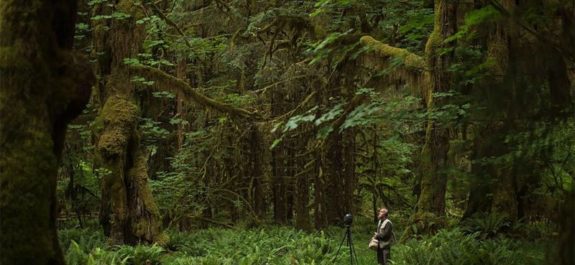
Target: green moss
409 59
119 110
12 57
128 7
145 216
28 169
117 120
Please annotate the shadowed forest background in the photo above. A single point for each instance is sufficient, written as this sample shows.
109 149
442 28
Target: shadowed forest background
242 131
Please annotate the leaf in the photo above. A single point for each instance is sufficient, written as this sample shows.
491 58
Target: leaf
295 121
132 61
324 132
276 142
330 115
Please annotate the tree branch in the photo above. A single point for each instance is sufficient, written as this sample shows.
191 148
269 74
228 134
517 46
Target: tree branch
172 82
410 59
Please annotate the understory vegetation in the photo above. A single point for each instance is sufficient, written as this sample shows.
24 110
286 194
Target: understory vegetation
282 245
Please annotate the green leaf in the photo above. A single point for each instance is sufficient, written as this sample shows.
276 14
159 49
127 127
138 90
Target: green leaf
276 142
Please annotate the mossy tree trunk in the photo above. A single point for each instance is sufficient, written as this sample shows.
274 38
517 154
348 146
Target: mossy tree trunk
128 213
432 71
43 86
433 164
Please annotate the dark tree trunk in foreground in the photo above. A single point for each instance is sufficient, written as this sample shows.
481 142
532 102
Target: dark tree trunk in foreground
43 86
566 252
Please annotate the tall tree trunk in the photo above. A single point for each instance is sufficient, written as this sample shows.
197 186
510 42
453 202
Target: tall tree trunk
319 187
279 189
431 201
567 238
128 213
43 86
303 175
513 93
566 242
256 171
279 103
485 193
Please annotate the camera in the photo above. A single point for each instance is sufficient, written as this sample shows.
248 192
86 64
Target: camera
348 219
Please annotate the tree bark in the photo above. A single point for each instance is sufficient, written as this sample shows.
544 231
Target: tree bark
431 201
43 86
128 213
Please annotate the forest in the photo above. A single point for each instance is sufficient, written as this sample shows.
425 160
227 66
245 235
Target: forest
239 132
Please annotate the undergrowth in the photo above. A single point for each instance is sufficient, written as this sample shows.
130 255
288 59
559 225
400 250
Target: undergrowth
276 245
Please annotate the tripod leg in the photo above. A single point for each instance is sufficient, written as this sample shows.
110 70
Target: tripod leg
341 244
350 246
352 255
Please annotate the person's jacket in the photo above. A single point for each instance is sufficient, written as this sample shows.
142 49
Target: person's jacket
385 234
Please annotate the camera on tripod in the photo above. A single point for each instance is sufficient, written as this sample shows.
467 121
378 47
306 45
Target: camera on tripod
347 221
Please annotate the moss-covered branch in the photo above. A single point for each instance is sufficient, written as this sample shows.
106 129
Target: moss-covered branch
171 82
410 59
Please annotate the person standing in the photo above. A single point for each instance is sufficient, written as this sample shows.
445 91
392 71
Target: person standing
384 234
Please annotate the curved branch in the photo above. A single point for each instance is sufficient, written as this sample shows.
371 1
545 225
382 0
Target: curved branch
410 59
177 84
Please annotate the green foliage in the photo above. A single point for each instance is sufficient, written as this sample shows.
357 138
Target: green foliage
472 20
454 247
153 130
275 245
140 254
86 239
271 246
417 26
488 226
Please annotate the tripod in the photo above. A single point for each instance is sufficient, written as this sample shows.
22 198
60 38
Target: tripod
352 256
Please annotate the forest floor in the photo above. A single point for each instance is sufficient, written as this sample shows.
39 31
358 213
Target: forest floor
280 245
